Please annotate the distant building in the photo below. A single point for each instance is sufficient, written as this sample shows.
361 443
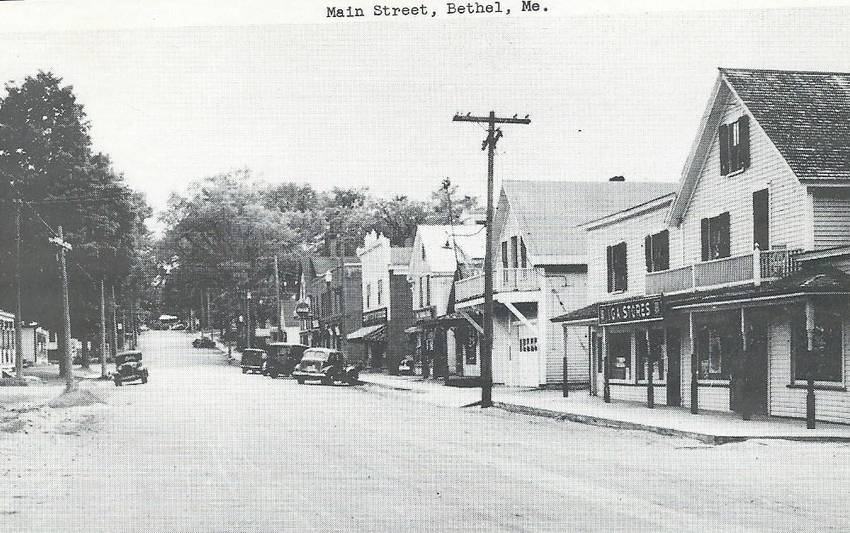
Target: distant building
437 252
35 343
7 340
386 302
330 289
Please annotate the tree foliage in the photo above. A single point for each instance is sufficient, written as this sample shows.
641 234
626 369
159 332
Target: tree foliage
45 150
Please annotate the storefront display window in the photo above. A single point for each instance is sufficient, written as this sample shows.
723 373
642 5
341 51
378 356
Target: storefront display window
642 351
828 346
470 348
718 343
620 354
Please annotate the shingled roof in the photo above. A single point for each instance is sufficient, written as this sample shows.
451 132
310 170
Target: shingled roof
805 114
549 212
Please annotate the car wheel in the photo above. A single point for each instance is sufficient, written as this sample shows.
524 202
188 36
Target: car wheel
273 374
244 370
117 382
300 381
144 379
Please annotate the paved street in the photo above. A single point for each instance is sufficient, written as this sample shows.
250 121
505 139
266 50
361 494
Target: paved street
203 447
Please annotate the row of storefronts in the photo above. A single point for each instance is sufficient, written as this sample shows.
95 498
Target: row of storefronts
732 292
34 346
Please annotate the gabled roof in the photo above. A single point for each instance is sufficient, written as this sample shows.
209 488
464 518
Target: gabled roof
440 241
400 255
549 212
316 265
805 114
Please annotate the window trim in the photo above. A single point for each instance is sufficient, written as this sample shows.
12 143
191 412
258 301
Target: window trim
800 382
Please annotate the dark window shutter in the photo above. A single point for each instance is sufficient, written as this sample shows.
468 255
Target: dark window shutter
624 268
761 219
724 150
504 254
523 253
610 271
744 145
704 229
648 252
723 221
661 242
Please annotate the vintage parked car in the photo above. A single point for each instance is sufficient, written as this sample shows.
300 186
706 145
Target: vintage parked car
178 327
203 342
282 358
129 367
406 366
326 365
253 360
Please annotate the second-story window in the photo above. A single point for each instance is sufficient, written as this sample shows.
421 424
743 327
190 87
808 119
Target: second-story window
428 290
514 252
421 298
714 233
368 296
657 251
618 274
380 291
734 146
504 254
523 254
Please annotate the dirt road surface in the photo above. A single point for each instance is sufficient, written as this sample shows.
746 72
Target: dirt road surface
203 447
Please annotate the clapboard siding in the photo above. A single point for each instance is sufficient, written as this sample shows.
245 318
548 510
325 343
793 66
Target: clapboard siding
715 194
577 355
563 293
831 406
831 218
632 393
632 231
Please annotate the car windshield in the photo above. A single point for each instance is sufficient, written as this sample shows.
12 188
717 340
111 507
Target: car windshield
315 355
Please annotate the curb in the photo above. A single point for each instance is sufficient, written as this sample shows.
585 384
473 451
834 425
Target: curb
705 438
669 432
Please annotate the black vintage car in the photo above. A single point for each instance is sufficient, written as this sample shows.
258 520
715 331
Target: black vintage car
203 342
325 365
253 360
282 358
129 367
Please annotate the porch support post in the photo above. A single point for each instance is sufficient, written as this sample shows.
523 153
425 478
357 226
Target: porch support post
591 369
566 391
810 360
650 364
606 367
694 363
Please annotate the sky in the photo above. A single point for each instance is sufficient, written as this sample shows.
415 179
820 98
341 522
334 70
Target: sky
178 92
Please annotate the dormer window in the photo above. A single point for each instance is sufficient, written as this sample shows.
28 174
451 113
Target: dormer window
735 146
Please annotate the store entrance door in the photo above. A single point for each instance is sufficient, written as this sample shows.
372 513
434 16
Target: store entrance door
674 367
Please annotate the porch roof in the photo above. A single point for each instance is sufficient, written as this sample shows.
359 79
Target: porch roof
818 279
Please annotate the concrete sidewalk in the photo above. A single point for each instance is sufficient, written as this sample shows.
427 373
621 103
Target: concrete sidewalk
709 426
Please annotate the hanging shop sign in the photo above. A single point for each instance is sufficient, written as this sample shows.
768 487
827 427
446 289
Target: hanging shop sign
641 310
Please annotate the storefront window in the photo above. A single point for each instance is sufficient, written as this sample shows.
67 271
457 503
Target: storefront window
620 355
828 358
642 351
718 342
470 348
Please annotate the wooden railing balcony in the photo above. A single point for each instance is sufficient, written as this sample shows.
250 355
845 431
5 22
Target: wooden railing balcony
504 280
753 268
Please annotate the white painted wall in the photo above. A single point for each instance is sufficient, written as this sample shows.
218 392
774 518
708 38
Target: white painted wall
633 230
375 265
790 208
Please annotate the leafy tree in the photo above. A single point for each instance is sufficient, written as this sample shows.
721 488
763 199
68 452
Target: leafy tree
45 149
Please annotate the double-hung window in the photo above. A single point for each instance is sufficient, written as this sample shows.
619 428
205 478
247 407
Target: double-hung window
657 251
734 146
714 233
618 275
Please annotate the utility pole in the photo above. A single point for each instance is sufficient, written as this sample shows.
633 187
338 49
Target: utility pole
493 136
209 322
277 297
66 312
19 334
102 333
114 307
